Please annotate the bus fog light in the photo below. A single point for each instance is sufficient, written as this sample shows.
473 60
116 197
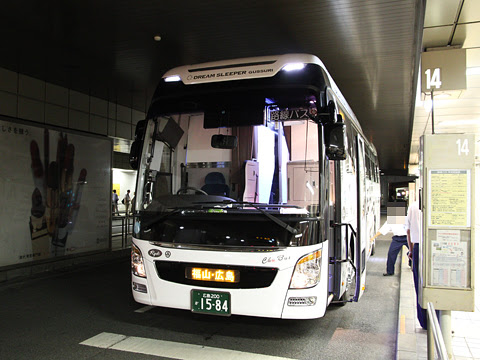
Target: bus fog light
138 268
139 287
302 301
307 271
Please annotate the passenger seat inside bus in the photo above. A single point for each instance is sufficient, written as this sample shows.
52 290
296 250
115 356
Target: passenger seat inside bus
215 184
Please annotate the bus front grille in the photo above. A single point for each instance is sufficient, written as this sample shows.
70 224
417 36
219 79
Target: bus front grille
251 277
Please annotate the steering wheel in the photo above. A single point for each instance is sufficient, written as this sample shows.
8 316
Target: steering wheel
185 189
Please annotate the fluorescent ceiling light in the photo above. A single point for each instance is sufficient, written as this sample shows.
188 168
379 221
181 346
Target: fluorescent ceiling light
427 105
172 78
459 122
473 70
442 96
293 66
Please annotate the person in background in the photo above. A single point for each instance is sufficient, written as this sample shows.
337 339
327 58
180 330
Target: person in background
414 228
133 204
127 201
395 224
413 237
115 203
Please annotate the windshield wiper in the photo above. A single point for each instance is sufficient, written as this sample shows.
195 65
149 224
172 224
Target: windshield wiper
276 220
159 217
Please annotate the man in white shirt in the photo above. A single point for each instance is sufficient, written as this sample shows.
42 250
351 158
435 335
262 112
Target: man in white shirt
413 238
395 224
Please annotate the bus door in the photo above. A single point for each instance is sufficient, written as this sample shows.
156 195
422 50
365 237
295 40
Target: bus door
360 248
336 236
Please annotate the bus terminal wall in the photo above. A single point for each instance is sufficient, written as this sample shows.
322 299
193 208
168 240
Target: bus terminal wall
28 108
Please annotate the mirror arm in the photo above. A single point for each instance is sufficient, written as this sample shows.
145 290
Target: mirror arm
315 118
323 118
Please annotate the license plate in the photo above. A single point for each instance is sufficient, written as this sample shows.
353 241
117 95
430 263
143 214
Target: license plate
211 302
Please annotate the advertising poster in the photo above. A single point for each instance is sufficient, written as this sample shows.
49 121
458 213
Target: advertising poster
55 191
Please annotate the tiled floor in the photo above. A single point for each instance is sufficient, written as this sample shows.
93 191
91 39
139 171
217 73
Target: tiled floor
412 339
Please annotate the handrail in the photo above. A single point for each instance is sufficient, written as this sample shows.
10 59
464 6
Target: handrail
125 226
122 234
347 258
435 333
334 224
334 260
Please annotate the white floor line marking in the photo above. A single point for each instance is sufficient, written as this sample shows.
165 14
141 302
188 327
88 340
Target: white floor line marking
170 349
104 340
144 309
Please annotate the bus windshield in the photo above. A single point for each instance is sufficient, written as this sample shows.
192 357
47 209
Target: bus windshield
231 175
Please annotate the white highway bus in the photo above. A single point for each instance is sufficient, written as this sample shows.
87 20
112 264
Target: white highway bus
257 192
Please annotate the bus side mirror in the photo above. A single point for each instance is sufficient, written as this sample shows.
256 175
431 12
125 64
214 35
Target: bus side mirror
335 141
137 145
135 151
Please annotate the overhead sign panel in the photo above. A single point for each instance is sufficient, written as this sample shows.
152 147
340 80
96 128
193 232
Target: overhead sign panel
444 70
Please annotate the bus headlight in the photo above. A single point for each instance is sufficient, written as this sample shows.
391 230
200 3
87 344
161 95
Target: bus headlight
307 271
138 267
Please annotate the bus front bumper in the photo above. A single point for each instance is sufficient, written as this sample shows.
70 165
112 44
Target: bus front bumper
274 301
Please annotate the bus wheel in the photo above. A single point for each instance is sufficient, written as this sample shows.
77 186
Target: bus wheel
343 299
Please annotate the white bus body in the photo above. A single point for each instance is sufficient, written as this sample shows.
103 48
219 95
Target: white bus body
257 193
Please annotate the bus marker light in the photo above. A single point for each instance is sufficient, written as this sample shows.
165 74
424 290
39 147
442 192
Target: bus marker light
293 66
172 78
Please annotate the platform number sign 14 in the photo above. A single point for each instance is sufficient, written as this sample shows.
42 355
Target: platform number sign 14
462 147
433 78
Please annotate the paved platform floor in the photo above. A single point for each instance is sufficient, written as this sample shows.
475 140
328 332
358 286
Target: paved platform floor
412 339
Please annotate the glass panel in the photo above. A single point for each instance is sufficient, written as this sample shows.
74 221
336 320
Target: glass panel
275 166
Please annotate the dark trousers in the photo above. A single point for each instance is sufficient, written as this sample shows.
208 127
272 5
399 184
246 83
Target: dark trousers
421 312
393 250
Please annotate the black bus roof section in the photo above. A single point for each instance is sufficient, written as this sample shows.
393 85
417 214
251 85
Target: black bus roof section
176 97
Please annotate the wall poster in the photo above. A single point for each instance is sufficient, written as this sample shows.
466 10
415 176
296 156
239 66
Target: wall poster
55 190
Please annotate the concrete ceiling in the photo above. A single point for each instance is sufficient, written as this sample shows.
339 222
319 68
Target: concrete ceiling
105 48
450 24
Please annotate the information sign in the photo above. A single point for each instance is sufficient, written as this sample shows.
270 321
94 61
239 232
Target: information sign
449 260
447 266
449 198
